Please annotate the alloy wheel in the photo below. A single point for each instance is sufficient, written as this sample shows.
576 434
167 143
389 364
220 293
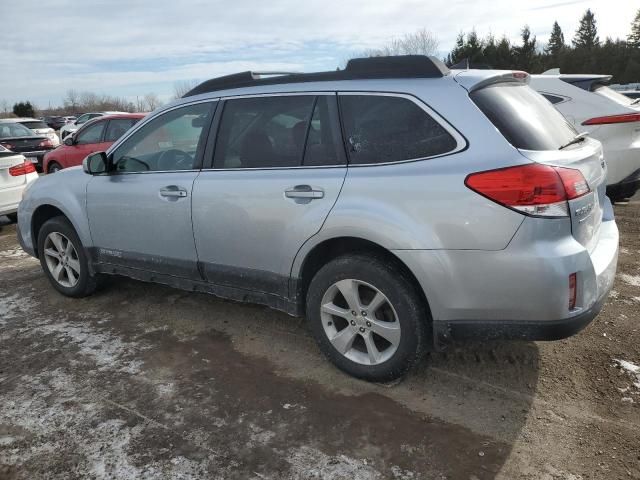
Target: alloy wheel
62 259
360 322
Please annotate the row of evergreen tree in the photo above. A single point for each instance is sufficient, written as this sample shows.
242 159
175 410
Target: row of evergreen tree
585 54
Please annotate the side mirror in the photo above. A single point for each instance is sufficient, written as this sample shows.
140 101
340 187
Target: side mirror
68 140
96 163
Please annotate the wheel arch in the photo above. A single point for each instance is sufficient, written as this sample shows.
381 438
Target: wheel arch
41 215
323 252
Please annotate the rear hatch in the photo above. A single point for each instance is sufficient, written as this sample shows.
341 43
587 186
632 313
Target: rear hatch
541 134
7 160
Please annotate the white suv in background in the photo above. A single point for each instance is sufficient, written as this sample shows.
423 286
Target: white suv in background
82 119
608 116
40 128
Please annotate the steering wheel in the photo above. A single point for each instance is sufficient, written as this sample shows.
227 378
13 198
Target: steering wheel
174 159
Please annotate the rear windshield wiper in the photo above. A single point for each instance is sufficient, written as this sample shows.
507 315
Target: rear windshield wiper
637 100
578 138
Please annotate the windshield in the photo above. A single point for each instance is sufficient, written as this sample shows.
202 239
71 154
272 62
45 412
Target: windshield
611 94
35 124
8 130
525 118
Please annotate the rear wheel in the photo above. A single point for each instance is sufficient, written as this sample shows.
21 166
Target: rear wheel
367 317
63 259
53 167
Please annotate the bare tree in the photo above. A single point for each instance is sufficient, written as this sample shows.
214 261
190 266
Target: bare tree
421 42
71 100
151 101
4 105
183 86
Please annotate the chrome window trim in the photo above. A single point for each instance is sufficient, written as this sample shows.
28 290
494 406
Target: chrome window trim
461 142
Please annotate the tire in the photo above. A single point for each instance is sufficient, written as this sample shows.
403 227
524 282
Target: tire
53 167
13 217
53 237
375 281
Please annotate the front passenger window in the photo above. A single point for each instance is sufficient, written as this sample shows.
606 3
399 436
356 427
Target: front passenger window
91 134
171 141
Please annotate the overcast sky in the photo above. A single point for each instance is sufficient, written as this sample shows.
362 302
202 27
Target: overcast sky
131 47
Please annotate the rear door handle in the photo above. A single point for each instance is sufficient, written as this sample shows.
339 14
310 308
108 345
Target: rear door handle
173 191
303 191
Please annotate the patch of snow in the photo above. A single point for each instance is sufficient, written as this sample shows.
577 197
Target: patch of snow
631 279
310 463
14 305
631 369
14 253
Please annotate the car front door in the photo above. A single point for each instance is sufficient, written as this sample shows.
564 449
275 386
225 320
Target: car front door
86 141
140 213
278 167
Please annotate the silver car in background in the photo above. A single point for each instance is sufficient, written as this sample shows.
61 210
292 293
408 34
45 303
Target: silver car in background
396 204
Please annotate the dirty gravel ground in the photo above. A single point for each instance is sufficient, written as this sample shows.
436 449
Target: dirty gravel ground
141 381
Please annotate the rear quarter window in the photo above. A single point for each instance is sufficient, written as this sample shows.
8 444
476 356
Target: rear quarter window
524 117
385 128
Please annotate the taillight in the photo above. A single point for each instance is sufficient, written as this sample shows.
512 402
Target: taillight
22 169
45 143
609 119
573 291
533 189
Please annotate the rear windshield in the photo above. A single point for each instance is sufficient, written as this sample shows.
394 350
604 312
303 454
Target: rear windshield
525 118
611 94
35 124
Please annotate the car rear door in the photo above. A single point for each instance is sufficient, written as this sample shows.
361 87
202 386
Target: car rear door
140 213
277 171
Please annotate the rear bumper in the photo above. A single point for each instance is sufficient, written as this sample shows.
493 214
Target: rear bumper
521 292
626 188
530 330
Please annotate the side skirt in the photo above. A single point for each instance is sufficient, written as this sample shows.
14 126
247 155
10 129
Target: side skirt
222 291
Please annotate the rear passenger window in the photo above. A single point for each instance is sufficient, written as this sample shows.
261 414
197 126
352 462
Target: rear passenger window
381 129
263 132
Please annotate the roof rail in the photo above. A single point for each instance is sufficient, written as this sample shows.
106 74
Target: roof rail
402 66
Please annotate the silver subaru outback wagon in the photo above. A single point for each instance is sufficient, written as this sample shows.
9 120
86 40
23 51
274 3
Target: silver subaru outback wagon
396 204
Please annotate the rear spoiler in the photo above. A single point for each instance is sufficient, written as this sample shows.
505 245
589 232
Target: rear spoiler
588 82
507 77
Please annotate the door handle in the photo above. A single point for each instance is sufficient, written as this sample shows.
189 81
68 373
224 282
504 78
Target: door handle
173 191
304 191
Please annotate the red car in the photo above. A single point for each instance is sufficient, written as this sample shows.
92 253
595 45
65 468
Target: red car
95 136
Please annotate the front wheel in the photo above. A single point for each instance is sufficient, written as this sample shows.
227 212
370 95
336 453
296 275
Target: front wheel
367 317
54 167
63 259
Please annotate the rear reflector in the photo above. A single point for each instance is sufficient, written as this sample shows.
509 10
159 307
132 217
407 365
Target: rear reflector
533 189
22 169
573 291
621 118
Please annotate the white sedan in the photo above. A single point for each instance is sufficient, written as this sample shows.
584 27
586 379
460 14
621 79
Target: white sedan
15 174
39 127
